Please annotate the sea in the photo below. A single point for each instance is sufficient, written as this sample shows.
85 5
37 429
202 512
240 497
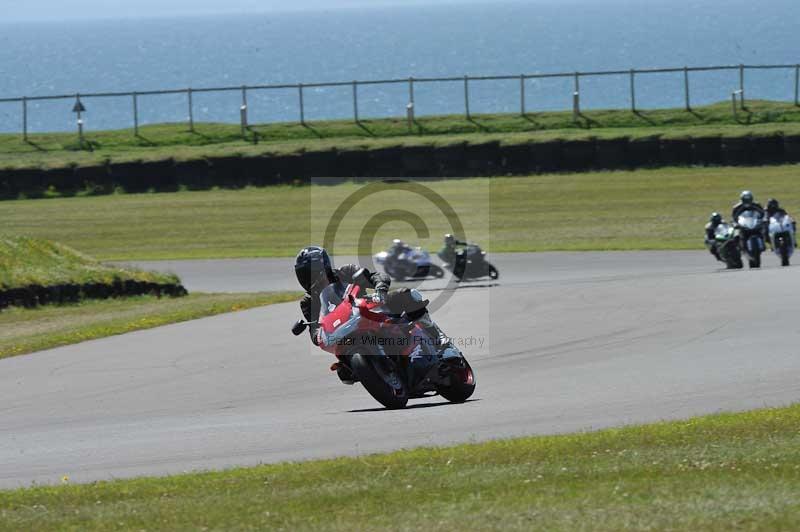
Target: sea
374 43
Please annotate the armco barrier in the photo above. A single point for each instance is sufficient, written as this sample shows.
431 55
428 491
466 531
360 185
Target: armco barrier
35 295
644 152
791 148
611 153
453 160
676 152
736 151
707 151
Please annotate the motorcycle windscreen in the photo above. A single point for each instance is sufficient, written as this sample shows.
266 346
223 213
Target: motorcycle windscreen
723 232
749 219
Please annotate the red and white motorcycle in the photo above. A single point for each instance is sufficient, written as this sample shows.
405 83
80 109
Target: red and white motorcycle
390 355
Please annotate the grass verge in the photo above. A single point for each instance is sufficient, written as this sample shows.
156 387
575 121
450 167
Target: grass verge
165 141
642 209
28 261
721 472
28 330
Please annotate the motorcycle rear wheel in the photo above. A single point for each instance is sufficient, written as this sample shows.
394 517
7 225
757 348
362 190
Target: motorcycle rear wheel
493 273
372 371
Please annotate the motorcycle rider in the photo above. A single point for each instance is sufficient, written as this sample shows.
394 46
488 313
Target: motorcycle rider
746 203
398 248
711 242
314 272
774 208
449 252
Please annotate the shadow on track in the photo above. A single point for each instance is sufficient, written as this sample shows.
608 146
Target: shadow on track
411 407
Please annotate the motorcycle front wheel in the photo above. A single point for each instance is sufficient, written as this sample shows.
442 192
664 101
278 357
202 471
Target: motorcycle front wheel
380 377
462 384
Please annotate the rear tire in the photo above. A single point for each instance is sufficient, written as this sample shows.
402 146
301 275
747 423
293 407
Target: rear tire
369 374
493 273
460 388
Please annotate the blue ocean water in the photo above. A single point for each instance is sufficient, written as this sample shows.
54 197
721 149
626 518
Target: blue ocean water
395 42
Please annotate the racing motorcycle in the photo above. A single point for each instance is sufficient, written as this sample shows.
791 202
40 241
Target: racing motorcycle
781 232
411 263
728 245
470 263
390 355
749 225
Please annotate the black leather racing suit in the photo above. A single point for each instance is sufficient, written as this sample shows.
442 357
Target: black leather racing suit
310 304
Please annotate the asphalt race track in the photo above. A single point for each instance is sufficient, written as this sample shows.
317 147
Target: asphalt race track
570 341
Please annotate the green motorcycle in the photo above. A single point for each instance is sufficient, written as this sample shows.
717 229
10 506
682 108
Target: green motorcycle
728 245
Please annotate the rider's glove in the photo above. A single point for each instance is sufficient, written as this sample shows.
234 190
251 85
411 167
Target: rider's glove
381 287
379 296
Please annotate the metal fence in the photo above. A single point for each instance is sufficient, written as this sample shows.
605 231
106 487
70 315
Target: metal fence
79 107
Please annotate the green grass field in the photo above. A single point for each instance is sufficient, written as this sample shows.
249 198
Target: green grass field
723 472
643 209
163 141
28 330
26 261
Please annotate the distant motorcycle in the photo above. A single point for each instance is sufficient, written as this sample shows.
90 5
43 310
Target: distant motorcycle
728 245
411 263
781 232
470 263
749 224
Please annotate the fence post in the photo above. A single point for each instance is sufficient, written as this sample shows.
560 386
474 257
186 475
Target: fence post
411 90
633 90
355 101
686 88
78 110
733 102
191 110
25 118
576 98
466 96
741 83
135 114
522 94
243 113
797 85
302 104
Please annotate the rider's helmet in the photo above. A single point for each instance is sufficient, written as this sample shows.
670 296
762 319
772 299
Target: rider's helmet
311 266
449 240
397 243
773 205
716 218
746 197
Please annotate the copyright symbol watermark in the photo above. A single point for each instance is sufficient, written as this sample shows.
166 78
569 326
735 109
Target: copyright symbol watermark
366 219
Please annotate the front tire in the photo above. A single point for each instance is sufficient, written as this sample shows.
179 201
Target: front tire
436 271
462 384
784 256
755 262
379 376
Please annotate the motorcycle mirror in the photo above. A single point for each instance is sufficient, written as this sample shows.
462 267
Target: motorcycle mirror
299 327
